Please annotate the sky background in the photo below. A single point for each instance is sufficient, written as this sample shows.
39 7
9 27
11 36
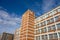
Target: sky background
11 11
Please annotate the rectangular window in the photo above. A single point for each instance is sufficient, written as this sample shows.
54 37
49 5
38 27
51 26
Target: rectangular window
37 37
50 14
38 30
57 18
39 25
48 21
43 23
45 29
42 37
59 10
58 26
59 34
55 35
45 37
53 27
51 20
49 28
53 12
50 36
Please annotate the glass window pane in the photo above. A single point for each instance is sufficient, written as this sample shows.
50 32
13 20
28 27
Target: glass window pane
49 28
59 34
59 10
56 18
51 20
58 26
55 35
50 36
53 27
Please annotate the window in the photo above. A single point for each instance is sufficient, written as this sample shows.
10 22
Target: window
38 31
57 18
50 14
59 34
48 21
55 35
37 37
58 26
44 37
51 20
50 36
53 12
53 27
39 24
43 30
44 23
59 10
49 28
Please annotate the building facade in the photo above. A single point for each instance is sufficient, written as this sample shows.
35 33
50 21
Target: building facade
7 36
17 34
27 29
0 36
47 26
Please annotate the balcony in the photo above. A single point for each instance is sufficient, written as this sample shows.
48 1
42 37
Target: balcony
49 16
58 19
54 39
50 23
57 13
58 28
52 31
37 33
44 39
43 32
43 25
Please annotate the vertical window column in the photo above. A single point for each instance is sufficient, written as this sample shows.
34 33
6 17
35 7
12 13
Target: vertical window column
58 26
59 36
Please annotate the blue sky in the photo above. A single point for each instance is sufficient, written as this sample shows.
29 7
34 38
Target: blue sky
11 11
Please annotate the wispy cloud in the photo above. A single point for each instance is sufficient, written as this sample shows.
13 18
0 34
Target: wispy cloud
8 22
47 5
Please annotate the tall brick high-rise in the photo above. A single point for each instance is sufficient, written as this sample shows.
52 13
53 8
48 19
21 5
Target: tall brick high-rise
27 30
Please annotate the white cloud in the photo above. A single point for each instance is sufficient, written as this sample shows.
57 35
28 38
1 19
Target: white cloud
8 22
47 4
